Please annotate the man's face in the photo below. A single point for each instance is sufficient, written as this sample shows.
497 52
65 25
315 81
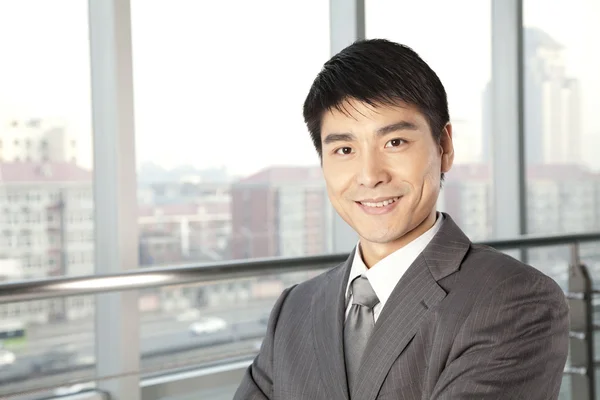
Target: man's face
382 167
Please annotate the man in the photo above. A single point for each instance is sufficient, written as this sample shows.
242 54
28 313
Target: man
417 311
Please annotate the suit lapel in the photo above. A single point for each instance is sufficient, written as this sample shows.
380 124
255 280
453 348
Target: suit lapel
328 307
414 295
398 322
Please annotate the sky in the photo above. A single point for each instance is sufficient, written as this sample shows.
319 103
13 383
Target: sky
222 83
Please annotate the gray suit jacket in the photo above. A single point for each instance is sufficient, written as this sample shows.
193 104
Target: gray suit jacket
464 322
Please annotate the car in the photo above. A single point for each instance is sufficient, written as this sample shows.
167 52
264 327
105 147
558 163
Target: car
74 389
7 358
208 325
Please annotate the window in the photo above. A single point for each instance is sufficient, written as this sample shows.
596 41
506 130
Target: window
298 49
281 46
44 82
562 131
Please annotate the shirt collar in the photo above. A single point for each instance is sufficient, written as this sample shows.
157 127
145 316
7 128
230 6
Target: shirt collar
384 275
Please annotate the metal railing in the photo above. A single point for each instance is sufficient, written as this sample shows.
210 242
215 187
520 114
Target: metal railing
207 273
145 278
580 290
581 337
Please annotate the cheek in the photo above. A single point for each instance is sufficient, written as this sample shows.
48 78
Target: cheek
422 172
331 193
428 166
335 188
337 179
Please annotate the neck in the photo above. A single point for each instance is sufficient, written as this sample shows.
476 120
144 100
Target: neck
372 253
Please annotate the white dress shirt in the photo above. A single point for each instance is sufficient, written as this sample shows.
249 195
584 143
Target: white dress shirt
385 275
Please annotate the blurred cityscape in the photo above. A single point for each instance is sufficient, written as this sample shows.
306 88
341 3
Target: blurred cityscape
186 215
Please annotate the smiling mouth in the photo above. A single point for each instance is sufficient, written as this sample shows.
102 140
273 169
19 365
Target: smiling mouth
379 204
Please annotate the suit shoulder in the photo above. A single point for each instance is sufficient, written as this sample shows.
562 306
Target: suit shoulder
294 305
488 279
495 262
497 268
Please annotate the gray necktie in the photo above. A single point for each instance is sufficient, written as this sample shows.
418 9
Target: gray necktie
359 325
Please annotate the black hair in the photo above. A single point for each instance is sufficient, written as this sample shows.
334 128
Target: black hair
376 71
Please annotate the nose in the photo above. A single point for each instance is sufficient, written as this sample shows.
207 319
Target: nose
372 172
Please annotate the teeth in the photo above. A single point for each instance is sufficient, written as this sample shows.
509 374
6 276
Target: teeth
381 203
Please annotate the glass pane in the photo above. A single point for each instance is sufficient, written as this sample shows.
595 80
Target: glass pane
226 165
553 261
46 196
565 389
562 132
201 324
41 355
465 41
562 98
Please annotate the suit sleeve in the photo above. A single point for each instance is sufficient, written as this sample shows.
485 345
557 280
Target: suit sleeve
513 344
257 383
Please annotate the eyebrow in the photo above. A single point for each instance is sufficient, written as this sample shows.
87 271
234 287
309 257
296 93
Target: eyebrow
386 130
398 126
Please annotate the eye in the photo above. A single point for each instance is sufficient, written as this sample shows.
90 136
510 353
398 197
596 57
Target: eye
395 142
344 150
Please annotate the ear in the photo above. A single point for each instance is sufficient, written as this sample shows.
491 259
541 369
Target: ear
447 148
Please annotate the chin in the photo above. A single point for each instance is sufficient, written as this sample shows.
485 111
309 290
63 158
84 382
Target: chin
382 237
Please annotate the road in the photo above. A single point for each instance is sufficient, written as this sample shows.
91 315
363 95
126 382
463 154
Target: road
45 385
165 343
43 338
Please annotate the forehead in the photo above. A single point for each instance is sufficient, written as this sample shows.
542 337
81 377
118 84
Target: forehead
356 116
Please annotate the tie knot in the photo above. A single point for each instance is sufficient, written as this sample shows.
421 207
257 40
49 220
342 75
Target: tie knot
363 293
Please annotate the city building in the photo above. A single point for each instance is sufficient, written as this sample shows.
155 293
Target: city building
552 105
177 233
47 229
46 226
562 198
280 211
466 196
36 140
